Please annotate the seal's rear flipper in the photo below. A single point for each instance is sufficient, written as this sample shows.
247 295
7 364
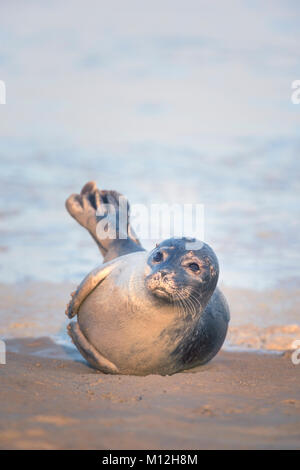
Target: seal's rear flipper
83 207
93 206
89 352
89 283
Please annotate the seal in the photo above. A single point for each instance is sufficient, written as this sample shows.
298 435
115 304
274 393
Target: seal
140 313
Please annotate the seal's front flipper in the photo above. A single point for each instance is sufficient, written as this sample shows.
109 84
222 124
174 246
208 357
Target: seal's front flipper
89 352
89 283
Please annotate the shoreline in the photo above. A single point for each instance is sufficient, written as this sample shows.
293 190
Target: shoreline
238 400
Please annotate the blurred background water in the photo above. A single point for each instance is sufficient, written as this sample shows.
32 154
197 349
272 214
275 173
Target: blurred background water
173 102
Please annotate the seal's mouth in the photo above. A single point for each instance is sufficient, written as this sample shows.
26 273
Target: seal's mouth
160 286
159 292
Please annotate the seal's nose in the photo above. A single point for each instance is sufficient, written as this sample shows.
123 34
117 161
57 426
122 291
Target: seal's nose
159 275
163 273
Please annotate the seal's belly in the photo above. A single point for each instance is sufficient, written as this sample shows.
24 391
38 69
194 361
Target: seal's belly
129 330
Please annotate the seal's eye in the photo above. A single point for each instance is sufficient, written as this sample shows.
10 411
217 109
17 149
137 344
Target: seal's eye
194 267
157 257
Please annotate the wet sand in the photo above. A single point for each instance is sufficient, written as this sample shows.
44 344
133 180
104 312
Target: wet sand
240 400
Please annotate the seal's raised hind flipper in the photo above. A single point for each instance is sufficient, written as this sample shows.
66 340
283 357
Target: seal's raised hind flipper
89 352
89 283
93 206
83 208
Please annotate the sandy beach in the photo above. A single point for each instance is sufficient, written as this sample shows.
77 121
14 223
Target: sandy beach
238 401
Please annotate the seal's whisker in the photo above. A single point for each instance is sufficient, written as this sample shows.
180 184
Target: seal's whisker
187 306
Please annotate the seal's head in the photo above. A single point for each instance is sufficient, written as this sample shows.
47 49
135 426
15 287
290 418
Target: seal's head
183 270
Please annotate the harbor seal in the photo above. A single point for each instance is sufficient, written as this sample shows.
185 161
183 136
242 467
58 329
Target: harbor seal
145 313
